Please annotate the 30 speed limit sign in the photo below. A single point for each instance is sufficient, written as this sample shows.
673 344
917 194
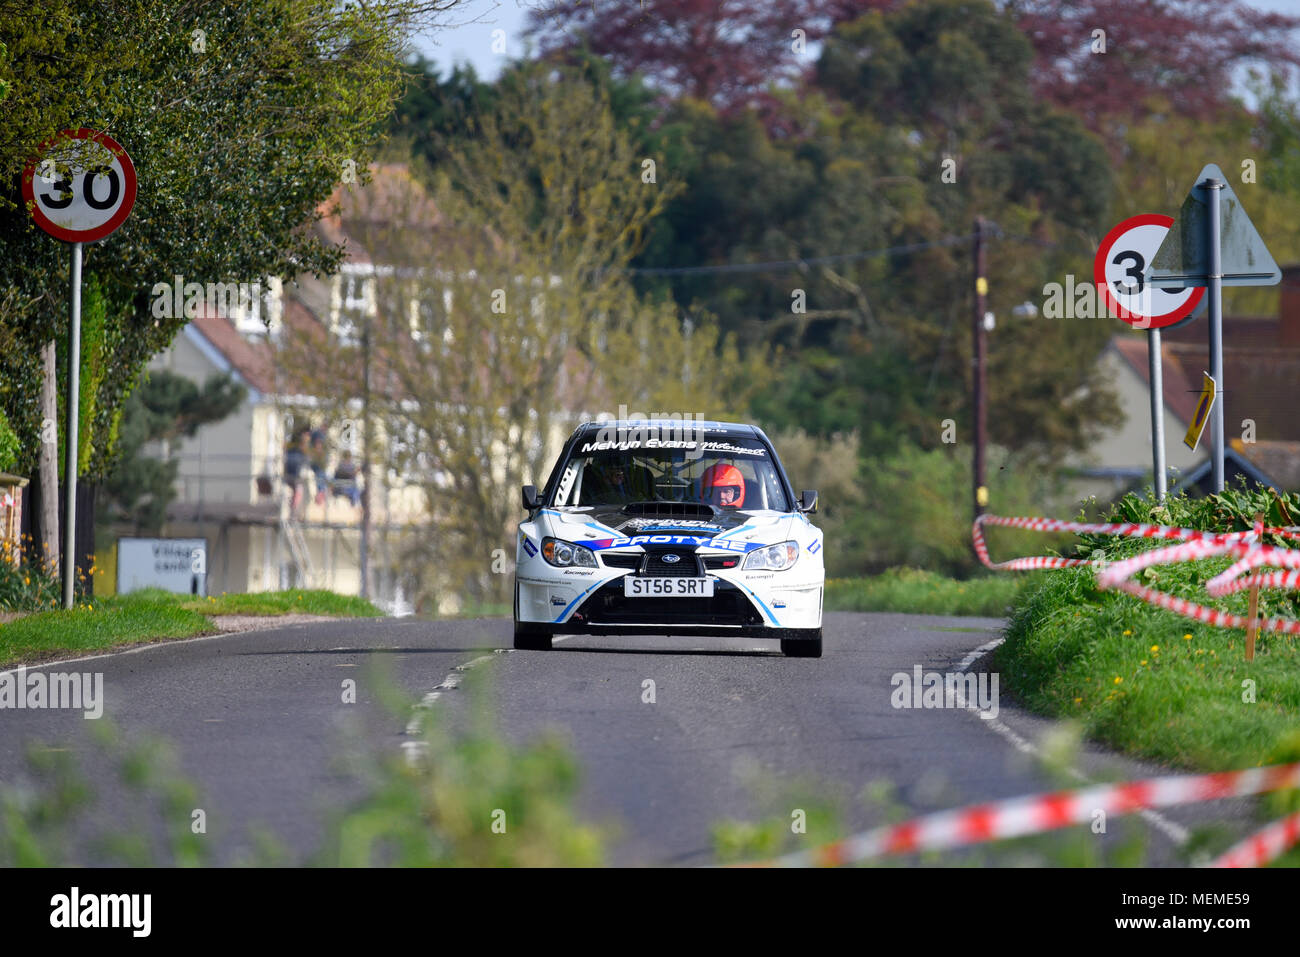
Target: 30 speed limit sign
1120 266
81 186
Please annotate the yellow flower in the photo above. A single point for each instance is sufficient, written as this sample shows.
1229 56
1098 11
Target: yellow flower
1155 647
1144 661
1078 701
1118 680
1187 637
1127 633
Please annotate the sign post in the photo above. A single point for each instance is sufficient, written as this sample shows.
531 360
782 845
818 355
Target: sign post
1213 244
79 189
1119 270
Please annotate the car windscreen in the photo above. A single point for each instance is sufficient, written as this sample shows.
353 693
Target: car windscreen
727 471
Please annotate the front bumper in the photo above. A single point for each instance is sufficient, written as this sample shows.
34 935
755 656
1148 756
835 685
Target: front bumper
597 606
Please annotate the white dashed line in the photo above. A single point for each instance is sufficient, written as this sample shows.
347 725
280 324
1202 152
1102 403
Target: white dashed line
414 750
1170 829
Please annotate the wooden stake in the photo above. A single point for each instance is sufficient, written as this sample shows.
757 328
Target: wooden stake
1252 620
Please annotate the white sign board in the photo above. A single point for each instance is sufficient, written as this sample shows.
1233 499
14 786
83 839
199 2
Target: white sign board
173 564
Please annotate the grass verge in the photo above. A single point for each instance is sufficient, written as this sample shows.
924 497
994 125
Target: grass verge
153 615
922 592
1149 681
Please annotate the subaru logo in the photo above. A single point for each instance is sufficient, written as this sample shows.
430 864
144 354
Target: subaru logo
671 559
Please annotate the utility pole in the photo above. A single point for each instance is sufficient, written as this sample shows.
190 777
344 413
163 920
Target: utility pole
364 549
978 369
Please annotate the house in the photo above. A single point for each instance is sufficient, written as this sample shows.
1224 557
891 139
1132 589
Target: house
232 488
1261 369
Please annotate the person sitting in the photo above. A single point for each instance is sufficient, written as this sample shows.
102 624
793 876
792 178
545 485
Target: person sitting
723 485
345 480
295 462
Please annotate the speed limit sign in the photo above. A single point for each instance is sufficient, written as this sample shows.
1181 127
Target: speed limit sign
1119 271
81 186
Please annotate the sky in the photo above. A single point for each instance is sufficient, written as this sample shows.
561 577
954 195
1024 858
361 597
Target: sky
470 39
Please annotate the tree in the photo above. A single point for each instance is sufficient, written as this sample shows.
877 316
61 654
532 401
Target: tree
240 117
1185 52
165 407
724 52
502 315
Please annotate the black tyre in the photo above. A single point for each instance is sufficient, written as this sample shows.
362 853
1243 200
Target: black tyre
533 641
810 647
528 636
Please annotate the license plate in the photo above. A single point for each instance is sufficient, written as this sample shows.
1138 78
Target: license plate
634 587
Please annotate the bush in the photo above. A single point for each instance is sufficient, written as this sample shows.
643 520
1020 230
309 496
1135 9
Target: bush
8 445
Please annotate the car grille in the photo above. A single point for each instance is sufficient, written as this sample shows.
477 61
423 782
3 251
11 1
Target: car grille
621 561
686 566
608 606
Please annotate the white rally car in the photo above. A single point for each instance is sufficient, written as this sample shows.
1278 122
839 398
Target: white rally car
652 527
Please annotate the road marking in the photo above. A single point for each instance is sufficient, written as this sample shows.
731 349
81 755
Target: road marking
415 750
1170 829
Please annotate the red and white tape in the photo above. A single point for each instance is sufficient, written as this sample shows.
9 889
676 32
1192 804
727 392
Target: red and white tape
1036 813
1192 544
1262 847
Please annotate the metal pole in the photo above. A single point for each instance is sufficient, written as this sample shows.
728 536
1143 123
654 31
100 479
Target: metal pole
980 382
1155 365
1215 277
74 392
365 461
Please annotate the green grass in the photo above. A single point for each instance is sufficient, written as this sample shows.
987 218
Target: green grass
922 592
153 615
1152 682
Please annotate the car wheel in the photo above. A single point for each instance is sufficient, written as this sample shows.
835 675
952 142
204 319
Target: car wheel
810 647
531 640
527 635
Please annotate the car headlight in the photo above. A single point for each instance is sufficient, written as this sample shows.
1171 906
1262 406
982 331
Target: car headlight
773 558
563 554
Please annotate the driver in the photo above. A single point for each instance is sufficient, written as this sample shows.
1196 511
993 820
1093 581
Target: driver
723 485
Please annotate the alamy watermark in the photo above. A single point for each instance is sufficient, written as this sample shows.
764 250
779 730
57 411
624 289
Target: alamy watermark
933 689
76 691
660 430
180 298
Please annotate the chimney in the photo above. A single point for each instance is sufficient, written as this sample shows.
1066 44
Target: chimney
1288 311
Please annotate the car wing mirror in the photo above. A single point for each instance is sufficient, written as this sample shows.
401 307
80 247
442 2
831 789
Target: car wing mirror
808 501
530 498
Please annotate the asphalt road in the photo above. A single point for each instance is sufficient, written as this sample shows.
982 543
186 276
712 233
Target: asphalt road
735 730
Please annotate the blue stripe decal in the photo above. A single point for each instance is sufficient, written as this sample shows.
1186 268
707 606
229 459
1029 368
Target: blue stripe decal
812 549
578 599
767 611
529 547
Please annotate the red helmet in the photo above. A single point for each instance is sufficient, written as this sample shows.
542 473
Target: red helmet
718 477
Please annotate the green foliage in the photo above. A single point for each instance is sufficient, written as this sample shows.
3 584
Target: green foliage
32 583
8 445
238 140
916 591
1150 681
912 507
164 408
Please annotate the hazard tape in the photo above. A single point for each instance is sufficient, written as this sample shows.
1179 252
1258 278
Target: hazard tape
1191 545
1262 847
1036 813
